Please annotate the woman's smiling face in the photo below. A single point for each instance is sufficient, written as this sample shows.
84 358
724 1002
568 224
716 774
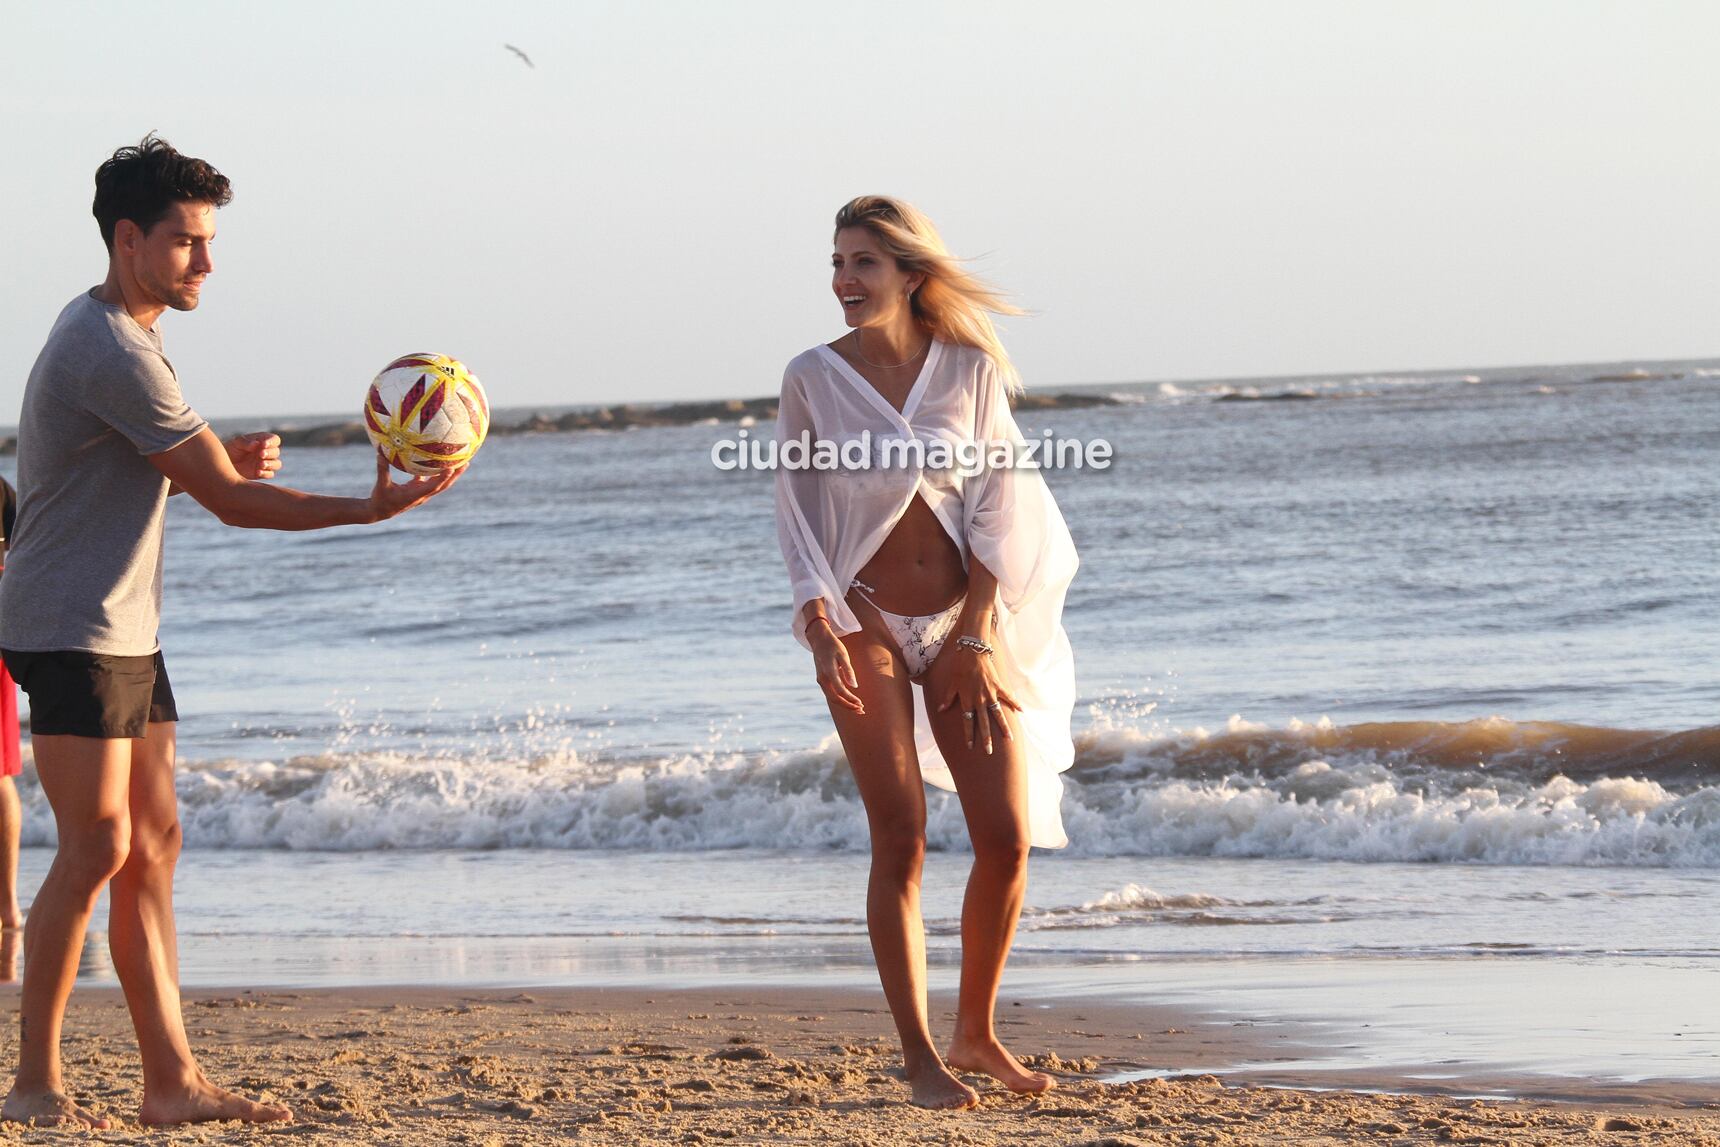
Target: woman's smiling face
868 284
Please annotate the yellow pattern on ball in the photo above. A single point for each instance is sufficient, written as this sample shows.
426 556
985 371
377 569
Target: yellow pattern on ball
426 413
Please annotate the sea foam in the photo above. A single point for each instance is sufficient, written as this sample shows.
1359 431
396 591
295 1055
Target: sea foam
1479 792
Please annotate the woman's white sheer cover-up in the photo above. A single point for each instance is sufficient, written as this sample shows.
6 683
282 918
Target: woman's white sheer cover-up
831 522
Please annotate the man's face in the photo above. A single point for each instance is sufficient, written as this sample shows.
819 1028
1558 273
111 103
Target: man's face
173 258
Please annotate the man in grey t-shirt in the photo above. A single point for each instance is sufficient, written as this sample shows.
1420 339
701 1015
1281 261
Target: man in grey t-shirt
105 437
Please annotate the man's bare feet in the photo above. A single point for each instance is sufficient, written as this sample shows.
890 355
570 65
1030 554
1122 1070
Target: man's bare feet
933 1086
203 1102
988 1057
47 1109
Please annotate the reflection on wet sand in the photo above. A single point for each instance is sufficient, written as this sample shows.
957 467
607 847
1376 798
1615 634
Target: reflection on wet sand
94 963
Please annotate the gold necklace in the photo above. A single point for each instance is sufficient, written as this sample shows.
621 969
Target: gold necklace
891 365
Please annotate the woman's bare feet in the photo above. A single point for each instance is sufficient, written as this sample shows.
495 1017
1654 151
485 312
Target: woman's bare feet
934 1087
11 947
48 1109
988 1057
203 1102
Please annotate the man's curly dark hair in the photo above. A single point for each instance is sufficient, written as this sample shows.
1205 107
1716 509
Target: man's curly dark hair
141 183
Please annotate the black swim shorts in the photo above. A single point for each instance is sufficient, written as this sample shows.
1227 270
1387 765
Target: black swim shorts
73 693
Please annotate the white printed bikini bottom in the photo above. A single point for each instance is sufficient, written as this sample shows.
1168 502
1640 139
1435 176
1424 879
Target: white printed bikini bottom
919 637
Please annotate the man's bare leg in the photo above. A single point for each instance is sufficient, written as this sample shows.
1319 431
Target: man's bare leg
145 946
11 823
86 781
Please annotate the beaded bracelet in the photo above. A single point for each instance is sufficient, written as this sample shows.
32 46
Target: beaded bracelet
975 644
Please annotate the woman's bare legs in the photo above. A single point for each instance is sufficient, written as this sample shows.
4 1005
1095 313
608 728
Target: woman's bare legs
11 823
880 749
993 791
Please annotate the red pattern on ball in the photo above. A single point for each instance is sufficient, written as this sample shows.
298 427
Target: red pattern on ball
433 404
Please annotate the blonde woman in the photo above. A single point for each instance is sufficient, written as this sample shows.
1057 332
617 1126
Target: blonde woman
946 577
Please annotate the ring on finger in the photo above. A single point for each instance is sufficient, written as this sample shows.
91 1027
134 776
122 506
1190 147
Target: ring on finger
995 705
967 714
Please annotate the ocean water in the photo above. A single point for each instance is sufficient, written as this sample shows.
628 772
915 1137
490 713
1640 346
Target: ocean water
1388 684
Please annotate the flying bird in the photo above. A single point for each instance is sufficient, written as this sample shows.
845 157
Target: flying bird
521 55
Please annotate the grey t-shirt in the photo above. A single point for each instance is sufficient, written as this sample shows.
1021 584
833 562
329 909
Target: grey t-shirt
86 571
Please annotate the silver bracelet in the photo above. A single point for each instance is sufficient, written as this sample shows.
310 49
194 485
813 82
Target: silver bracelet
975 644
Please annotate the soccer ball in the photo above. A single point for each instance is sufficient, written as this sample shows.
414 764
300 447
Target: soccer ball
427 413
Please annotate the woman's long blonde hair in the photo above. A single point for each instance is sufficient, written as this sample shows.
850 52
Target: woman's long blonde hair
952 304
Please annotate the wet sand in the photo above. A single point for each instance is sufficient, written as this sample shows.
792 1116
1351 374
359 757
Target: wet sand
737 1065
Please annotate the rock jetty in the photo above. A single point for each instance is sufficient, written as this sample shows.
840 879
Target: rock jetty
626 416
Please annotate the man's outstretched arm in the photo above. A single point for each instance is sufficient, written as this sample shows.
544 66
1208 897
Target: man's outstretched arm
202 467
256 455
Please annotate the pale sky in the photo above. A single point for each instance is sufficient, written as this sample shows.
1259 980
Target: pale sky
1176 189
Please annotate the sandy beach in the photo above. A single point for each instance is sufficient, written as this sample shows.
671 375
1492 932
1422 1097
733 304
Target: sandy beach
419 1066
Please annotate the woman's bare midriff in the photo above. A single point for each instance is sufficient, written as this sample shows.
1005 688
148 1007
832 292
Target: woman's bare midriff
918 569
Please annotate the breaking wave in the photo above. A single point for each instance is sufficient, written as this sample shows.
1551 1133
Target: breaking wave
1491 792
